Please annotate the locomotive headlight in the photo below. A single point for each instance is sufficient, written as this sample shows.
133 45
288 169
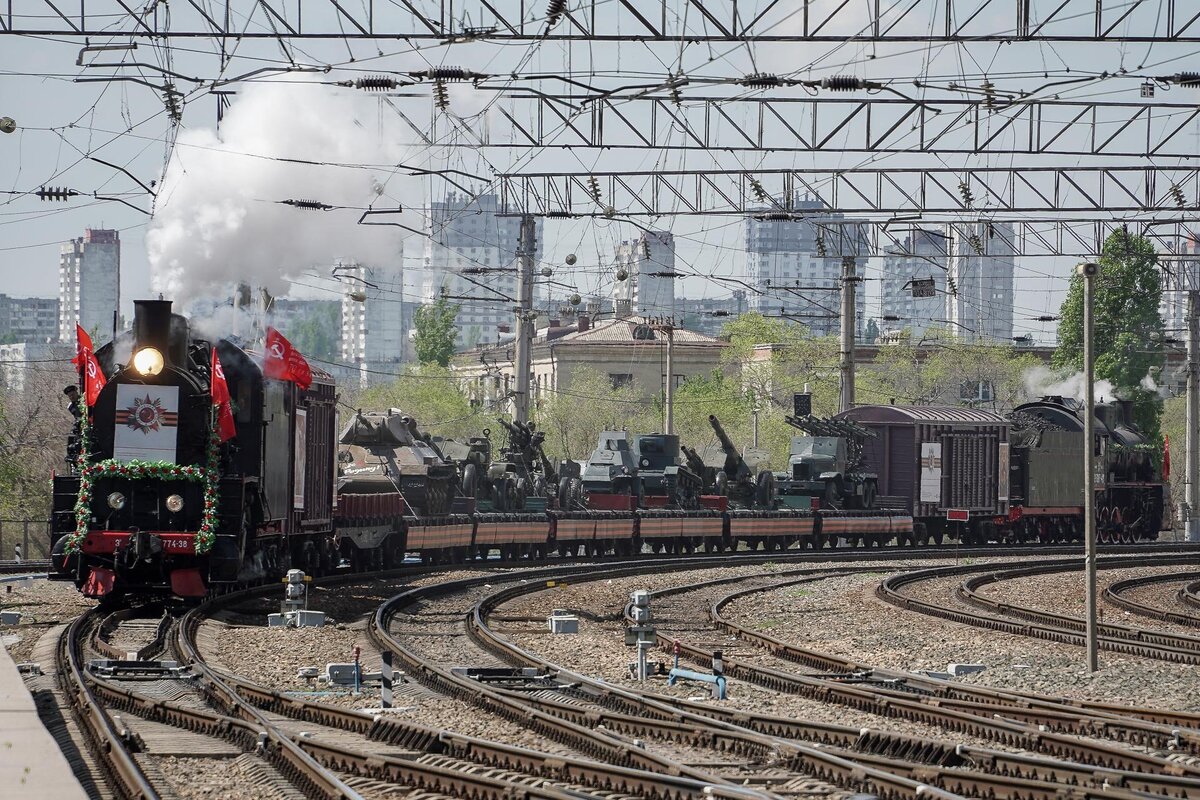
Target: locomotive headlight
116 501
148 361
174 504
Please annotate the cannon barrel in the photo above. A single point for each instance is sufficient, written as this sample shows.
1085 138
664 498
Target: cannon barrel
508 426
693 458
726 443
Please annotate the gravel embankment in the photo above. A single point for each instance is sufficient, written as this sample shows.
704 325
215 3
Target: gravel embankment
43 604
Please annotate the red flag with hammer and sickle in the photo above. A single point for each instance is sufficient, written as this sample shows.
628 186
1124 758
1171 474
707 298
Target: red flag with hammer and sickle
284 362
219 389
93 377
82 342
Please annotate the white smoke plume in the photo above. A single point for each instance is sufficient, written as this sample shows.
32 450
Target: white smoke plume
1041 381
218 219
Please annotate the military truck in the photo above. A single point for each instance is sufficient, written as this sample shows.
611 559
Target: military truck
826 463
382 451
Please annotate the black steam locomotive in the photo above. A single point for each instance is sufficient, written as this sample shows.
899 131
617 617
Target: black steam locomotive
156 503
1132 500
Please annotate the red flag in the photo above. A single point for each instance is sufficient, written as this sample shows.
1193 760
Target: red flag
284 362
82 342
93 377
1166 457
219 389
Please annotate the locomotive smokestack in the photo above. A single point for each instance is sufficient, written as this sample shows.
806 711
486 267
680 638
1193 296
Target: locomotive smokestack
151 335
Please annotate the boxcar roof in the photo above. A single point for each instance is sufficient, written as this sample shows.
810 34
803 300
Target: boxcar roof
912 415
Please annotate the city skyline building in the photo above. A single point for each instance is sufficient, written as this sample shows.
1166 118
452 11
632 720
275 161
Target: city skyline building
792 276
924 257
28 319
89 284
375 329
1180 274
649 265
979 282
471 258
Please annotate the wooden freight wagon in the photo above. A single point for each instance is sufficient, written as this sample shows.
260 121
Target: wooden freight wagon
939 462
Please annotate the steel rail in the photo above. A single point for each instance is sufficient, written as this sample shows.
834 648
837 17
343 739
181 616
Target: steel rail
1033 623
103 632
123 774
1114 594
1109 758
1190 595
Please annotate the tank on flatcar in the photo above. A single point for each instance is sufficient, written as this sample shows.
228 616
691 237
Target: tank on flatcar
1131 498
938 463
142 513
381 452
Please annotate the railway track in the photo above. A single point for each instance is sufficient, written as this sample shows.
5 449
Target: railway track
1025 621
1115 594
1118 767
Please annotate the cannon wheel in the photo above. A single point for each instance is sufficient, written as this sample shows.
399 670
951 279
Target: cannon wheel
470 480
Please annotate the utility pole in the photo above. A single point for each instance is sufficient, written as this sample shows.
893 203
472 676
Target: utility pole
525 317
1192 463
669 394
1088 273
847 335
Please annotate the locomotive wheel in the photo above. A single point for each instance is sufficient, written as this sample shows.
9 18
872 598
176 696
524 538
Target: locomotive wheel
1102 522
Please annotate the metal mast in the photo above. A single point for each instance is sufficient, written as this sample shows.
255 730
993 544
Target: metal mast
526 320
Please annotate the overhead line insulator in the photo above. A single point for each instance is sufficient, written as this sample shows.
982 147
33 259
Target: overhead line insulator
376 83
55 193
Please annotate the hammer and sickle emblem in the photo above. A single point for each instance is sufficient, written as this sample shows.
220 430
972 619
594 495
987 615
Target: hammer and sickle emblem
276 350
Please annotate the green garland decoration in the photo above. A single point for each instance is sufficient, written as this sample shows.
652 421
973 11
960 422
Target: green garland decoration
136 470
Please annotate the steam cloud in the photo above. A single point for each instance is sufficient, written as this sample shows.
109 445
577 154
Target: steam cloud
218 219
1041 381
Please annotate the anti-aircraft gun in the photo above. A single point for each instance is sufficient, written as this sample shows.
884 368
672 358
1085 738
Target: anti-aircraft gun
382 452
736 479
826 463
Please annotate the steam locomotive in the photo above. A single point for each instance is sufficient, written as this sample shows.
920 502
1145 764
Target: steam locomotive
156 504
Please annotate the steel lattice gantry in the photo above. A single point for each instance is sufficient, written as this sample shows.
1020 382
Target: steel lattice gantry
870 125
1044 237
622 20
1061 191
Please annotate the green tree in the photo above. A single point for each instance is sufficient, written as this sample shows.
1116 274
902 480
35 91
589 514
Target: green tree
1127 325
431 394
435 332
317 334
574 417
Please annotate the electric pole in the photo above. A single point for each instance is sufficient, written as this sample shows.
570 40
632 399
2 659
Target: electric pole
1192 462
847 335
526 320
667 326
1088 273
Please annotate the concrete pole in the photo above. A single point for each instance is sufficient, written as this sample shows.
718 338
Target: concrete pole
1088 272
525 318
1191 476
669 394
755 414
846 398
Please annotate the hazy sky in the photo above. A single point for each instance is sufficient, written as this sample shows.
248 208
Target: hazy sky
218 216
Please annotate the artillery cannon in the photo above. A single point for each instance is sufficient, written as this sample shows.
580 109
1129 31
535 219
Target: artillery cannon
523 471
826 463
382 452
736 479
471 458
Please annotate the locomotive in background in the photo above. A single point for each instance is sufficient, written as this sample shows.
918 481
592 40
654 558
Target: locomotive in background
136 526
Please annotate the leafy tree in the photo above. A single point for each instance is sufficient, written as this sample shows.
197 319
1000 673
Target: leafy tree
574 417
318 334
1126 324
1174 427
431 394
435 332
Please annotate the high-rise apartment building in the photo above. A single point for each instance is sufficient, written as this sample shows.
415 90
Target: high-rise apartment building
796 272
979 282
649 266
924 257
708 315
471 257
375 329
89 284
28 319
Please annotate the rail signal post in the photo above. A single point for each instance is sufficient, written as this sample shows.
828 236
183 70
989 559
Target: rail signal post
1087 272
